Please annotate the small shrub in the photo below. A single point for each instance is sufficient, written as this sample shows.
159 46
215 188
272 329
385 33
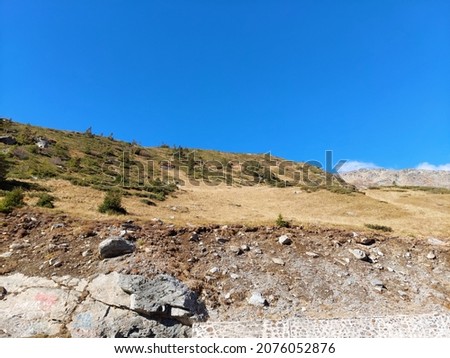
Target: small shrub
112 203
379 227
280 222
148 202
46 201
12 199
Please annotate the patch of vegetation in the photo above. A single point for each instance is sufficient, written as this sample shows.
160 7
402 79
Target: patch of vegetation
280 222
148 202
112 203
379 227
46 201
12 200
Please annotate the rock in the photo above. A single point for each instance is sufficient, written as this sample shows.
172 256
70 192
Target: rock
115 246
57 226
6 254
278 261
3 292
194 237
234 276
284 240
359 254
407 255
86 253
431 255
163 296
214 270
256 299
19 245
311 254
377 282
8 140
436 242
221 240
245 248
366 241
236 250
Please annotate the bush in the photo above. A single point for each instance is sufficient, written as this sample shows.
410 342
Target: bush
112 203
4 167
280 222
46 201
12 199
379 227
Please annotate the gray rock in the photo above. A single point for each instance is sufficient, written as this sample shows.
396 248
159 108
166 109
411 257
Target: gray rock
284 240
163 296
236 250
436 242
214 270
115 246
6 254
3 292
234 276
366 241
222 240
8 140
431 255
256 299
194 237
19 245
278 261
245 248
86 253
377 282
312 254
359 254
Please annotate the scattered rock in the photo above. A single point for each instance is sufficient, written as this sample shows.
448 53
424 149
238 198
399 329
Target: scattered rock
221 240
278 261
245 248
19 245
256 299
312 254
234 276
115 246
6 254
86 253
57 226
194 237
359 254
431 255
8 140
284 240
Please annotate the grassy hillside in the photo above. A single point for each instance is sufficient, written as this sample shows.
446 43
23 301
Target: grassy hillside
88 159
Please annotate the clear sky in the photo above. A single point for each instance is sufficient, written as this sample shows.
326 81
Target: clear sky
369 80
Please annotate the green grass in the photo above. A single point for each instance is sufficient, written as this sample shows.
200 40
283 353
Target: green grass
379 227
112 204
12 200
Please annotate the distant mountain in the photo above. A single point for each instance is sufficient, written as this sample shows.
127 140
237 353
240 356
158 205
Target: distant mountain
365 178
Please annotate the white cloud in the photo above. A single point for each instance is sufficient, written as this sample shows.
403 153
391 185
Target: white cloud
428 166
352 165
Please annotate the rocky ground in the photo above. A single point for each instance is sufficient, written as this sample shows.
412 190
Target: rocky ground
240 272
365 178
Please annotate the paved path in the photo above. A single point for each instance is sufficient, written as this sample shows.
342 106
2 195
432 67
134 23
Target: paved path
418 326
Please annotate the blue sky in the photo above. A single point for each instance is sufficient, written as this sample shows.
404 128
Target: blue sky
369 80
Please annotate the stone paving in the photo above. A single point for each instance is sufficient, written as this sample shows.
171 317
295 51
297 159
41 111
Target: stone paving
417 326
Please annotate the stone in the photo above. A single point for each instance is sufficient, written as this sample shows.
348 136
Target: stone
278 261
435 241
431 255
256 299
366 241
222 240
86 253
19 245
214 270
3 292
6 254
163 296
194 237
234 276
236 250
359 254
8 140
312 254
57 226
245 248
377 282
115 246
284 240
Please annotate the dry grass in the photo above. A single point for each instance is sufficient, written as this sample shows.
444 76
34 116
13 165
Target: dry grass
409 213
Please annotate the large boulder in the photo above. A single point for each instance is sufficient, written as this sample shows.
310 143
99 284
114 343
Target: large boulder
115 246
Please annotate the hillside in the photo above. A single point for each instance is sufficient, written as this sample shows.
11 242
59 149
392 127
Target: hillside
365 178
207 224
